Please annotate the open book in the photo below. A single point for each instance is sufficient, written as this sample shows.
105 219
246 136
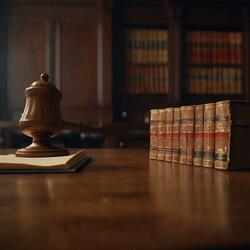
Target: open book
59 164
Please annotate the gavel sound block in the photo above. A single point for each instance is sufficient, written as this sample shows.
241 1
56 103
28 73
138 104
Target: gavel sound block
42 119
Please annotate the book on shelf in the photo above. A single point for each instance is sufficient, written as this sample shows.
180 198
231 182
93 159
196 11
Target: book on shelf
208 139
232 135
169 134
153 133
214 62
213 80
146 57
59 164
214 47
198 135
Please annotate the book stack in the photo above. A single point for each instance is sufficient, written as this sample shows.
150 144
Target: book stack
213 62
213 80
146 58
214 47
212 135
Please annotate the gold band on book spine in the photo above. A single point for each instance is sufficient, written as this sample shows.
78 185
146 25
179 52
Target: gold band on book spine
169 134
208 141
161 135
198 135
153 133
222 135
176 135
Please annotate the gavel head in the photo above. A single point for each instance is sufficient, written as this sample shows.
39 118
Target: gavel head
41 118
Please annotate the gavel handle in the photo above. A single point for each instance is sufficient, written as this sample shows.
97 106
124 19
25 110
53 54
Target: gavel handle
80 127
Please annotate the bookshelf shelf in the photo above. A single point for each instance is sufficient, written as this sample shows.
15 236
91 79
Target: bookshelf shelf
206 53
202 65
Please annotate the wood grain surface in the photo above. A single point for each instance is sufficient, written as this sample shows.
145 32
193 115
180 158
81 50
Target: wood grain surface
121 200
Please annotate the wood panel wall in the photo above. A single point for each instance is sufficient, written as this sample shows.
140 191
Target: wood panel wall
69 41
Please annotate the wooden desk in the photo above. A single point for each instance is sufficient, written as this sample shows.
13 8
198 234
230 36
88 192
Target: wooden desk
123 200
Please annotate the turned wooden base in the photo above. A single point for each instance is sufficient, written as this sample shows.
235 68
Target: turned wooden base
49 152
41 148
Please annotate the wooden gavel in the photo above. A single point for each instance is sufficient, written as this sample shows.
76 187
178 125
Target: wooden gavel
42 119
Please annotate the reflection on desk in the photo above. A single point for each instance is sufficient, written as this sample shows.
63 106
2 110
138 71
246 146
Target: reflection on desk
123 200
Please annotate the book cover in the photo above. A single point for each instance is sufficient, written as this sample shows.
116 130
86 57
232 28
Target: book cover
153 133
169 134
176 135
198 135
208 141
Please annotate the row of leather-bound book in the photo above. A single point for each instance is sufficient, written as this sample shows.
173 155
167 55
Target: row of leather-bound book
214 80
142 79
146 46
209 135
214 47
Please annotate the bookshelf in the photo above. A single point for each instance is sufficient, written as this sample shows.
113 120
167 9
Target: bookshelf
140 62
146 58
205 44
213 52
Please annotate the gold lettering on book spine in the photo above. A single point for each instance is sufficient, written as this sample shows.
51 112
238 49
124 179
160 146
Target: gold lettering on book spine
222 135
169 134
208 141
198 135
153 133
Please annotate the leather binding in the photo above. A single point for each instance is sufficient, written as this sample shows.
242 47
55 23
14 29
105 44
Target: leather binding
198 135
169 134
153 133
161 147
183 135
232 135
176 135
208 141
190 134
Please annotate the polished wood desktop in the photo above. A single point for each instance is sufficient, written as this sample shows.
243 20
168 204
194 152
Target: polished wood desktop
124 200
